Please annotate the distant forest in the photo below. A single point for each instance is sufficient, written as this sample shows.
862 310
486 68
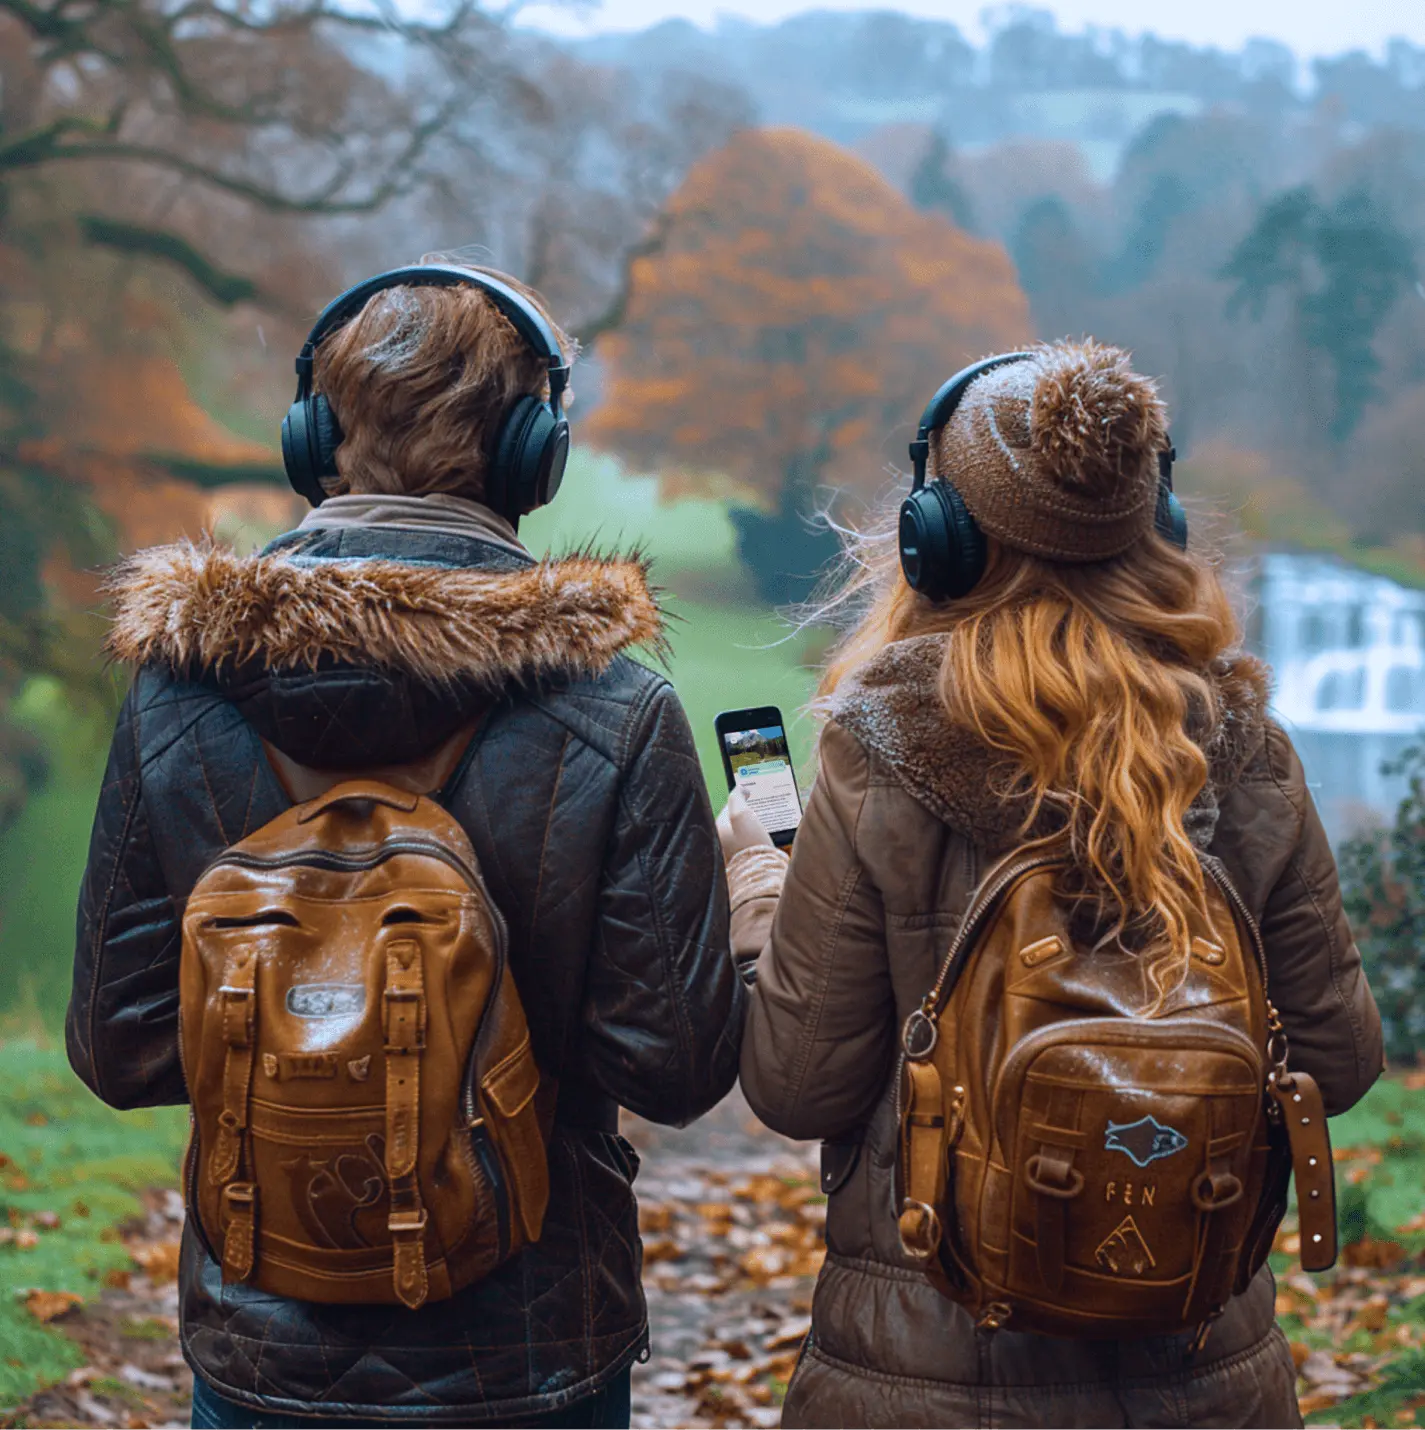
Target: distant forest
1251 225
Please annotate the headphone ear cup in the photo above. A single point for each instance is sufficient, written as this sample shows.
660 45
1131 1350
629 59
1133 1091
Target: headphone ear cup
530 455
310 437
1170 520
943 550
326 431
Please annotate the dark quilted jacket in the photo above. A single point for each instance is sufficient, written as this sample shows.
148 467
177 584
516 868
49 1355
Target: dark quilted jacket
585 804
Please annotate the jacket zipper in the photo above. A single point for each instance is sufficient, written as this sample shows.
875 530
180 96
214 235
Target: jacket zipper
1220 877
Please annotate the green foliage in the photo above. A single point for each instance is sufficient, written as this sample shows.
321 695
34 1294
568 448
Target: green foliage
1344 267
1165 202
932 188
1383 881
1400 1390
70 1155
42 856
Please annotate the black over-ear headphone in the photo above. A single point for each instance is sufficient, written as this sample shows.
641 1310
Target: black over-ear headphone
943 550
533 442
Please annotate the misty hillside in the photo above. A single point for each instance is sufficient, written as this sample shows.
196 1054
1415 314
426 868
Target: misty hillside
845 75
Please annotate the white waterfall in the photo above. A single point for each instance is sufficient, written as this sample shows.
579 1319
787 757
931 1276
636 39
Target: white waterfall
1347 651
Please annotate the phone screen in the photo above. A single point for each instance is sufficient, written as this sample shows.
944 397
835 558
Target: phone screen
761 766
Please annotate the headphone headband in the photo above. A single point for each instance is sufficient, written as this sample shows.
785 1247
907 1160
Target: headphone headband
941 408
527 320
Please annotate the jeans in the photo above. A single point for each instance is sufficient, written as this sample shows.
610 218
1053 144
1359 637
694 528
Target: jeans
606 1409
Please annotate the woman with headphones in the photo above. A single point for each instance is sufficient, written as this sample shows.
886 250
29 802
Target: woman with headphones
404 634
1058 968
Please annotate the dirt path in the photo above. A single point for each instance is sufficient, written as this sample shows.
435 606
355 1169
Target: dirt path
732 1222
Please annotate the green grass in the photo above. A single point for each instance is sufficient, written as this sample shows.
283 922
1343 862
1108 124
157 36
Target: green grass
42 858
67 1154
729 651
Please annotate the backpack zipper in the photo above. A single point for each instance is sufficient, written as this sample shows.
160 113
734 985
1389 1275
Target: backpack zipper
360 859
981 906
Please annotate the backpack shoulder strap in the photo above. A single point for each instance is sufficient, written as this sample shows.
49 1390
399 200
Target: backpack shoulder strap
425 776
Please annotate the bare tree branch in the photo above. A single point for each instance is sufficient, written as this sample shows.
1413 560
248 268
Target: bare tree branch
222 287
613 315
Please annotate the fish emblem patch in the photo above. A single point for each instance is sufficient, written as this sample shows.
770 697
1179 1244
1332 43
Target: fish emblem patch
1144 1141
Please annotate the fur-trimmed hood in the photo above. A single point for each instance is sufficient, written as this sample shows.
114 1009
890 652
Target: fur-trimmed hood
204 609
346 661
892 705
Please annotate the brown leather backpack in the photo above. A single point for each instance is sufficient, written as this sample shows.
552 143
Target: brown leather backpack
357 1057
1074 1167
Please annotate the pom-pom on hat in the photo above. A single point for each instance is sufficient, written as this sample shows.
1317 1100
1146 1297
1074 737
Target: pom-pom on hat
1057 455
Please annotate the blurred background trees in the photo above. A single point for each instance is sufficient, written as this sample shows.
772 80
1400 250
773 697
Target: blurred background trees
773 241
1383 878
780 341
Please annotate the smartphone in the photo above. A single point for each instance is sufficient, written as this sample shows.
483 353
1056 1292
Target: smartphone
756 760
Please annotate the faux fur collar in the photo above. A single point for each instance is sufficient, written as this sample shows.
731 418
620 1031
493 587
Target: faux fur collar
892 705
203 610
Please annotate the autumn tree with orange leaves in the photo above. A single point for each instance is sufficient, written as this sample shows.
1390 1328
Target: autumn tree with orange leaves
784 334
178 180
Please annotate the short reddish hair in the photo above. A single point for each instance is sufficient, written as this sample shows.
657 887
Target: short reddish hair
419 380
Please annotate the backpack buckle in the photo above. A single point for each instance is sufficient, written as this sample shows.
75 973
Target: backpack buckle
919 1036
920 1230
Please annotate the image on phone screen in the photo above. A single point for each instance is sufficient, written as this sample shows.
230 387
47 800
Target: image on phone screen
759 763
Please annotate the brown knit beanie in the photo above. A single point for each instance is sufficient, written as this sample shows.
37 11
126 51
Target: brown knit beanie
1058 455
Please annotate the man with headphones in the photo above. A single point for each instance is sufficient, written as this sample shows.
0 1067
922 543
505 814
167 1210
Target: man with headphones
404 627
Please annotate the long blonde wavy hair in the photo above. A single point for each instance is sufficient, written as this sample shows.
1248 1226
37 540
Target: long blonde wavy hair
1091 682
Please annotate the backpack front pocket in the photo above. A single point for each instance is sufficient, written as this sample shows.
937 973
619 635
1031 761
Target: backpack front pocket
1129 1145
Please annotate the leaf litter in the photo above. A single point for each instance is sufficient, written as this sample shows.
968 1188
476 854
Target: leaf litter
134 1375
733 1226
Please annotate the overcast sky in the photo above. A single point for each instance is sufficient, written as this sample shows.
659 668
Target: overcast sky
1311 27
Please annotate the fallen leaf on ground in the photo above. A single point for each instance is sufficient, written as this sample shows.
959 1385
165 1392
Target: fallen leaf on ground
51 1305
1372 1316
1373 1255
654 1218
661 1249
158 1259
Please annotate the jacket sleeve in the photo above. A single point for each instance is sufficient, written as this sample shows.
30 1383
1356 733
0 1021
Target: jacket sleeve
821 1026
663 1004
122 1027
1273 842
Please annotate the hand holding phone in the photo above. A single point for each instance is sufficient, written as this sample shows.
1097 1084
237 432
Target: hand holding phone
756 760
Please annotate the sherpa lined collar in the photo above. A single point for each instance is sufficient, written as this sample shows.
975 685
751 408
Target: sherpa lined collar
200 610
892 705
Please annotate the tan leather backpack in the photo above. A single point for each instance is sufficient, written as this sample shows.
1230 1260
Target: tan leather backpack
1072 1167
357 1057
